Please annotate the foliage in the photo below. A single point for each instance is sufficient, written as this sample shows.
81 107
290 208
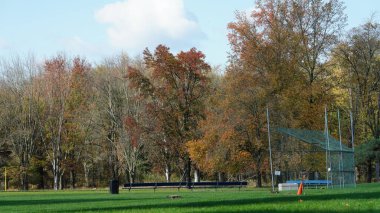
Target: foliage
67 123
358 57
176 87
368 151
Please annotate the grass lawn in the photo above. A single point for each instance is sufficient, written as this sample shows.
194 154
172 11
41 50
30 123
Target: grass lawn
364 198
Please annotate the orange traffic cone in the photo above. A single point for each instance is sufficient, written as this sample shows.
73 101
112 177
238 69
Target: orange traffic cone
300 189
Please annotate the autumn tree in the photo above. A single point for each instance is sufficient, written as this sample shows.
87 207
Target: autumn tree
120 117
278 54
317 25
133 148
285 44
220 149
78 118
176 85
57 89
359 61
21 112
110 113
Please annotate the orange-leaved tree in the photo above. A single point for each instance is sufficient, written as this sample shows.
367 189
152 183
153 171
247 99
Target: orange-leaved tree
177 86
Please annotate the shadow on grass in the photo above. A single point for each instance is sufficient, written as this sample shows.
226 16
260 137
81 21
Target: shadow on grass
203 206
62 201
239 202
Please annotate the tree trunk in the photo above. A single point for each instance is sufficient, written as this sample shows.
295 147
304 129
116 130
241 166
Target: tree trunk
41 181
55 184
369 171
167 173
221 177
131 176
259 177
197 177
61 181
24 178
86 169
72 179
112 159
56 174
93 177
264 178
115 175
188 171
24 171
25 182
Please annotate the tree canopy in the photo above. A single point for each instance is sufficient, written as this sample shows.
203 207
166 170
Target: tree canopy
65 122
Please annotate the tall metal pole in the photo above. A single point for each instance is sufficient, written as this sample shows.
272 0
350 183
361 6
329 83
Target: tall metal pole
270 150
327 148
341 172
352 145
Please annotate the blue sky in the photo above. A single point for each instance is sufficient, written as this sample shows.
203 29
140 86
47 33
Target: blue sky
102 28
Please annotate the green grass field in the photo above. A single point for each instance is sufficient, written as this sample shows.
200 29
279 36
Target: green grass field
365 198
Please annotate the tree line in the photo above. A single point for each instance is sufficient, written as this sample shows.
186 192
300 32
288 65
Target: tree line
66 123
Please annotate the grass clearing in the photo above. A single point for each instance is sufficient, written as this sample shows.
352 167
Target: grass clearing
365 198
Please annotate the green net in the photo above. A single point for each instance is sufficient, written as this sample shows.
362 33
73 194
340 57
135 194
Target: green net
340 158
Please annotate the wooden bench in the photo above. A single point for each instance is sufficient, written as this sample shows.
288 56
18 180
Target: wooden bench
179 185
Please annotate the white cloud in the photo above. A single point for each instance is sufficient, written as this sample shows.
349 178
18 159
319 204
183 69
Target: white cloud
136 24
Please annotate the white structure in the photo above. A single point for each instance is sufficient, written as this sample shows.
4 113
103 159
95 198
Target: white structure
287 186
